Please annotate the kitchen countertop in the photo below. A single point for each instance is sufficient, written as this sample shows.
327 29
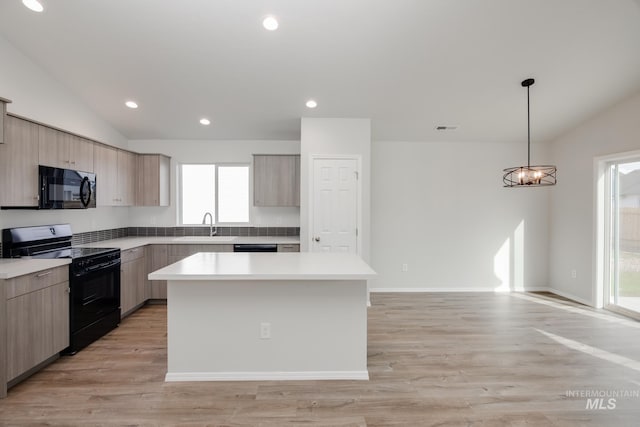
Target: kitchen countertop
134 242
13 267
267 266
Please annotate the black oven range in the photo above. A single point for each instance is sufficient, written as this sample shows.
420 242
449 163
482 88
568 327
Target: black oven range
94 278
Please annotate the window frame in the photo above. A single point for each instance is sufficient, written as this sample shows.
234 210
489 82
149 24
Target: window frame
179 215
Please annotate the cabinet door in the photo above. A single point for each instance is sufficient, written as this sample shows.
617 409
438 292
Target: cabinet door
126 178
156 260
53 148
276 180
105 166
60 316
128 289
152 180
29 338
19 164
3 111
132 279
139 268
81 154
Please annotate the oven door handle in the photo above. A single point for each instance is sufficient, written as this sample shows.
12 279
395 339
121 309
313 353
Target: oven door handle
85 200
103 266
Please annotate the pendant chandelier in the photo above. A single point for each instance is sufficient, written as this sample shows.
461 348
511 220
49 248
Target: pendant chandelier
529 176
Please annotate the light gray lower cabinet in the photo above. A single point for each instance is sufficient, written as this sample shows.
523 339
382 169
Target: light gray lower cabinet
132 280
37 319
157 259
178 252
163 255
288 248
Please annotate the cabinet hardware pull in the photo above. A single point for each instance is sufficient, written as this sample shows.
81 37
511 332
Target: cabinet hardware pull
44 274
68 290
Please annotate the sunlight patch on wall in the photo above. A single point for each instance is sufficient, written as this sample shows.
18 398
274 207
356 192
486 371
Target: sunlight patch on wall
501 267
508 262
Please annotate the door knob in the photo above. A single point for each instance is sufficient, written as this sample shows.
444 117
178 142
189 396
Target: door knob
317 239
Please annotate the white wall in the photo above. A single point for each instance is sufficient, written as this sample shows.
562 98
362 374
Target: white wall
38 96
572 210
441 209
339 137
212 152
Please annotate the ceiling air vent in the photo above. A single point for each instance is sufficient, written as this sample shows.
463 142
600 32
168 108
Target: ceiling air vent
446 127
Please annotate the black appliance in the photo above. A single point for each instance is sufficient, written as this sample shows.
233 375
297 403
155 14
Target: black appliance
66 188
255 248
94 278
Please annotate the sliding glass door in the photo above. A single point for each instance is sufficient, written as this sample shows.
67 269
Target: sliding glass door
623 264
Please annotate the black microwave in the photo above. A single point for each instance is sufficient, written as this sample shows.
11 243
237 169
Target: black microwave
66 188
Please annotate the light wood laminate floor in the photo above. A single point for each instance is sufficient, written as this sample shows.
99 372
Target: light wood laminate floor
434 360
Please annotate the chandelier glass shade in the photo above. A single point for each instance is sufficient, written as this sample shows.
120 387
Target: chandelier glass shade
529 176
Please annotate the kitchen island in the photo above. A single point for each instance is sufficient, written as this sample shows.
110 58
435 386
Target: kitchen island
266 316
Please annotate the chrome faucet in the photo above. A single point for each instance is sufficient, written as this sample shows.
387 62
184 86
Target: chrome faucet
212 232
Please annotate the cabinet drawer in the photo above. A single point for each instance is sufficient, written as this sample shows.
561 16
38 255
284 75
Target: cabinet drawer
288 248
131 254
35 281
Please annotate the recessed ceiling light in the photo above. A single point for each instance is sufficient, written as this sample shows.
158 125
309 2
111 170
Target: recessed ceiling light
34 5
270 23
311 103
131 104
205 122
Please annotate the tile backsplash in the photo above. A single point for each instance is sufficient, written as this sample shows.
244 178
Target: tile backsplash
117 233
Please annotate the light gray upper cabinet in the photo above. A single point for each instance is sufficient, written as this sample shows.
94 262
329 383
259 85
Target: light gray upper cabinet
64 150
115 176
19 164
153 180
3 112
276 180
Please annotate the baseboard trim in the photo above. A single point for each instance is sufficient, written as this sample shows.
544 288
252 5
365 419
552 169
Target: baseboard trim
570 296
437 290
266 376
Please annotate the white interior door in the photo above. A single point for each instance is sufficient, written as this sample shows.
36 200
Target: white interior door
335 205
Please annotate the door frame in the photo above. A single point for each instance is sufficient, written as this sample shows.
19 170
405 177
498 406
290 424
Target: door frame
358 159
602 253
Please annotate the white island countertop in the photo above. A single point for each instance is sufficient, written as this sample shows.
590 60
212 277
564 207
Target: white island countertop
267 266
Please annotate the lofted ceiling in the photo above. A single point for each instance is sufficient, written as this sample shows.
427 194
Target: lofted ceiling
409 65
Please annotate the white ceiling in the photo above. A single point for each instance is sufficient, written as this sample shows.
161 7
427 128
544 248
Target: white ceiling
409 65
